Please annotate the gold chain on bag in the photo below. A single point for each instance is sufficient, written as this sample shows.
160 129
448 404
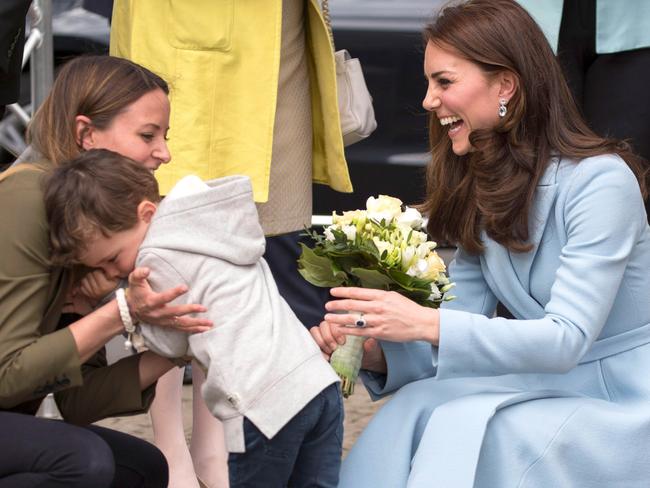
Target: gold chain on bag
325 8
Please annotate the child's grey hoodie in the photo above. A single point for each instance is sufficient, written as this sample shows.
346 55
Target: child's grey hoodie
261 362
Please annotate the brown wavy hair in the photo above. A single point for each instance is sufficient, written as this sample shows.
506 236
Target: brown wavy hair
98 192
492 187
99 87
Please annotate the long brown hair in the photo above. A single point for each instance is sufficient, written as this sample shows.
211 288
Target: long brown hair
99 87
492 188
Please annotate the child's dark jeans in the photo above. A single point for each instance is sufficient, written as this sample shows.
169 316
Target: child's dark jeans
304 453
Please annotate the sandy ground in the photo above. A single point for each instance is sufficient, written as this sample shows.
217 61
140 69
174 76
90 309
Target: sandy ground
358 411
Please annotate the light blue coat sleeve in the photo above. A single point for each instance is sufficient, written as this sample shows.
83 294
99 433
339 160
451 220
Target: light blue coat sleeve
601 211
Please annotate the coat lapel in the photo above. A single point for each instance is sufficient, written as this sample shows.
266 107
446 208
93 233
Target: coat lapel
508 273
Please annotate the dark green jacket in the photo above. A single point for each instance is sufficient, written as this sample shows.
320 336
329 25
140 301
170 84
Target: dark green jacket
37 357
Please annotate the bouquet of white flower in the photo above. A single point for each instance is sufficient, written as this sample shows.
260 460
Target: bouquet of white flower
382 247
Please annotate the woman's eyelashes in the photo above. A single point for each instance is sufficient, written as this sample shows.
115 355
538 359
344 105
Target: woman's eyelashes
147 136
443 82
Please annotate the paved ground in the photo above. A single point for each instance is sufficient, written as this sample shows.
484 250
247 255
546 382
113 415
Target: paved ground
358 410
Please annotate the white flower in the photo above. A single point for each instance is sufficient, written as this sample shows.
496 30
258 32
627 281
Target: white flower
350 232
350 217
407 257
435 292
383 245
432 267
404 232
384 208
422 266
411 217
425 248
418 237
329 236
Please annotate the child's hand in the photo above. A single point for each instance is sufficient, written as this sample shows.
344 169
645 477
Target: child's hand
95 286
77 303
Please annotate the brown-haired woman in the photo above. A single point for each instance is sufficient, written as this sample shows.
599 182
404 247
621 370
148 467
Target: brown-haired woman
95 102
549 219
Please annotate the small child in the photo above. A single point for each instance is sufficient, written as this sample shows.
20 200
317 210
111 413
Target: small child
266 378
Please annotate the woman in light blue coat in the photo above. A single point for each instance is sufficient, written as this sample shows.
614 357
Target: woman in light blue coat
548 219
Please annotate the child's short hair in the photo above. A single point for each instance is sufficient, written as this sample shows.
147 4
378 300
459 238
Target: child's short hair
99 191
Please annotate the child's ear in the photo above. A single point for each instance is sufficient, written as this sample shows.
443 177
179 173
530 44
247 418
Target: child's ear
84 132
146 211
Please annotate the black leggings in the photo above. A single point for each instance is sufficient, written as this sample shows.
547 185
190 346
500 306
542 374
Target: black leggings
36 452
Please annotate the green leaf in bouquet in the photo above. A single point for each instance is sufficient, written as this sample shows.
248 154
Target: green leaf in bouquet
401 278
319 270
369 249
372 278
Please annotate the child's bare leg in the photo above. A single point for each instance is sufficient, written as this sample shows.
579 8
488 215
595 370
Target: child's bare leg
207 446
167 422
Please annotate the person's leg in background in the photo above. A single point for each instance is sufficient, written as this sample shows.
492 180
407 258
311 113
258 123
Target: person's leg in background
617 99
610 89
206 458
577 44
169 435
207 447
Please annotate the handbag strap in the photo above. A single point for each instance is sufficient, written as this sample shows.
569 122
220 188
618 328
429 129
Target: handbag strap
325 7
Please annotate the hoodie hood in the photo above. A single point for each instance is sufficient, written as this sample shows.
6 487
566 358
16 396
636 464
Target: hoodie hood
217 218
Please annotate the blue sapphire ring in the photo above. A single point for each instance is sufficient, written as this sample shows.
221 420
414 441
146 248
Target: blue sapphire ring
360 322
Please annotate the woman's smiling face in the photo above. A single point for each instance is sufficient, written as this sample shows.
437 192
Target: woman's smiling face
461 95
138 132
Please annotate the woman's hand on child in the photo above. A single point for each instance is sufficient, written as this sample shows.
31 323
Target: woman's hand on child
153 308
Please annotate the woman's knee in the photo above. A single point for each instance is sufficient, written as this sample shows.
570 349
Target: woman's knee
85 460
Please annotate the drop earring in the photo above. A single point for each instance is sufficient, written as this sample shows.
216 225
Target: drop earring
503 110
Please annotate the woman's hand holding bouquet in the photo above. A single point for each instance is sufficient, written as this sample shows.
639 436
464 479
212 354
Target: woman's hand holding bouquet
382 247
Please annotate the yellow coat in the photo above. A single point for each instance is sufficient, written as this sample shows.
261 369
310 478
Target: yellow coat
222 60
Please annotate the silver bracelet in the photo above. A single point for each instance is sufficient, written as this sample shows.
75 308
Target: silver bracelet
125 315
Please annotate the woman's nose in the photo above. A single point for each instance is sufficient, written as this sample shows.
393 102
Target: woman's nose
431 101
162 153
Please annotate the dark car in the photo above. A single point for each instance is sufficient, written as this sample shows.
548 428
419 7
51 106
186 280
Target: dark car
386 37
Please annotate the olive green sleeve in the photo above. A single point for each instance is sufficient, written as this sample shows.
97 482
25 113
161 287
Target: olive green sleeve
34 357
108 391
